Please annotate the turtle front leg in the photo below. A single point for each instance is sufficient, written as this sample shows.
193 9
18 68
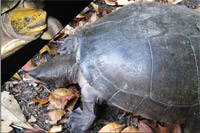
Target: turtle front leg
80 120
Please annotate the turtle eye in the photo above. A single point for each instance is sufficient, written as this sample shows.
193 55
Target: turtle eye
27 19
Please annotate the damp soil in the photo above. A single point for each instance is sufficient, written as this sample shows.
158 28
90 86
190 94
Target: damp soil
23 91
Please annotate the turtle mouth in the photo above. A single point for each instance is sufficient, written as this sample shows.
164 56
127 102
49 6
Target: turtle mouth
37 28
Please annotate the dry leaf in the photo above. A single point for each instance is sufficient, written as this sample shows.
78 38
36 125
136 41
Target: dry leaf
131 129
163 129
44 49
41 101
59 98
81 23
110 2
56 115
124 2
5 126
10 110
148 0
112 127
95 6
93 18
32 119
143 127
16 90
80 16
51 107
36 129
176 128
51 49
72 103
30 65
170 1
198 8
86 9
152 123
16 76
105 12
55 129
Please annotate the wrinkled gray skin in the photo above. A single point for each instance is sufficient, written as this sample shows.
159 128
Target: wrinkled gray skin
143 58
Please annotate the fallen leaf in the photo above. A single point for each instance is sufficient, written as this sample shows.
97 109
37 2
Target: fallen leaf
86 9
32 119
56 115
36 129
152 123
95 6
110 2
16 90
41 101
51 107
81 23
80 16
16 76
148 0
55 129
197 8
5 126
30 65
68 30
59 98
176 128
163 129
170 1
93 18
72 103
10 110
124 2
105 12
44 49
112 127
131 129
143 127
51 49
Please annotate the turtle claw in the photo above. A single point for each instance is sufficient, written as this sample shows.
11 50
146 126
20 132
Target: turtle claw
80 120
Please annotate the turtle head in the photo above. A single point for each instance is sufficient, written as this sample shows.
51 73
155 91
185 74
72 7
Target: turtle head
61 71
27 21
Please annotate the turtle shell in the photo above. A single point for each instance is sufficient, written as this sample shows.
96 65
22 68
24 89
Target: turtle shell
7 5
144 58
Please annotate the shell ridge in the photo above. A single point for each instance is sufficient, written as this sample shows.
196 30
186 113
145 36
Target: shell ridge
195 58
139 104
113 95
151 78
163 113
197 68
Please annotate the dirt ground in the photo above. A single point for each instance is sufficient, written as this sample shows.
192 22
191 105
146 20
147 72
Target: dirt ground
23 91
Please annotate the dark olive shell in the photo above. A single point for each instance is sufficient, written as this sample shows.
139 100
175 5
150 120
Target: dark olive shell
145 58
6 5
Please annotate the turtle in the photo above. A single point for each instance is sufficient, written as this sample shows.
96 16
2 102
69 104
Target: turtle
143 58
22 22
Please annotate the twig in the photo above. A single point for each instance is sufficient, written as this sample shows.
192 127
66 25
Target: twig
46 88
